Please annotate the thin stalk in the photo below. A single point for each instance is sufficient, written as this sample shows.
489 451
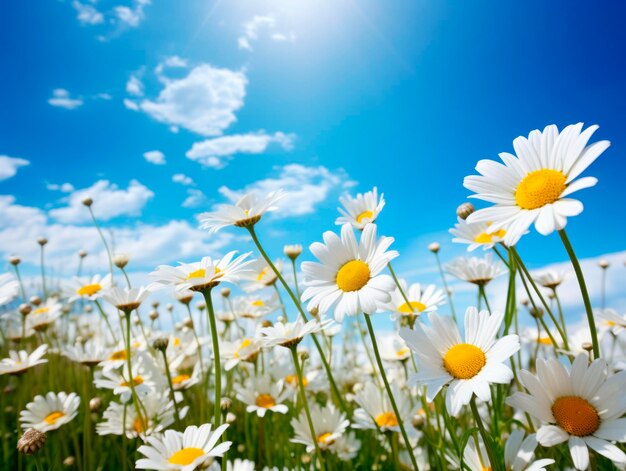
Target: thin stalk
106 319
603 302
19 279
583 292
217 417
329 374
481 291
390 394
282 304
483 433
43 272
295 277
131 379
126 277
104 241
172 392
445 286
560 309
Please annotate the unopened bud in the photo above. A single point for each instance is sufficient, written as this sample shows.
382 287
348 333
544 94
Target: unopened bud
35 300
14 260
266 323
161 343
188 322
417 420
169 307
88 308
604 264
82 253
31 442
536 312
155 304
120 260
230 418
314 311
25 309
69 461
292 251
225 403
464 210
304 356
225 292
587 346
42 241
434 247
154 315
200 305
525 302
87 202
95 403
241 448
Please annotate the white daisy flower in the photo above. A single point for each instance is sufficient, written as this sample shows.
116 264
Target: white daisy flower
253 307
518 454
245 349
260 275
90 353
19 362
578 404
467 367
610 320
91 289
9 288
551 278
206 273
348 279
329 424
50 412
532 186
393 348
44 314
347 446
421 299
476 234
290 333
362 210
126 299
183 451
119 381
375 411
478 271
238 465
246 212
261 393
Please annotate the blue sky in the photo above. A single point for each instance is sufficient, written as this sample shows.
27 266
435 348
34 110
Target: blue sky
321 97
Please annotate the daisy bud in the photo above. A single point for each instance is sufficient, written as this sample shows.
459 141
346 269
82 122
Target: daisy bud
88 308
35 300
280 319
14 260
383 458
161 343
434 247
551 295
306 459
185 299
188 323
225 404
8 410
604 264
169 307
120 260
225 292
200 305
69 461
266 323
42 241
82 253
31 442
587 346
292 251
95 403
88 202
304 356
241 448
154 315
25 309
314 311
155 304
230 418
464 210
524 302
536 312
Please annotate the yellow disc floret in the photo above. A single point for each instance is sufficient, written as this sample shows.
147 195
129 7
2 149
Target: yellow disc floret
88 290
265 400
365 214
575 415
186 456
353 276
413 306
53 417
464 361
386 419
539 188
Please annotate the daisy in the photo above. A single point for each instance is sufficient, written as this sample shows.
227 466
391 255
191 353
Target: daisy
245 349
578 404
467 367
421 299
551 278
91 289
478 271
45 314
476 234
260 275
329 424
19 362
9 288
261 393
532 186
246 212
361 210
518 454
253 307
183 451
119 381
394 349
609 319
239 465
375 411
289 334
346 446
126 299
348 279
198 276
50 412
90 353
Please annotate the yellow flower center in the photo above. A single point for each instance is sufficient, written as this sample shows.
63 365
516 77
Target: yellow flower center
176 341
119 355
53 417
262 273
88 290
245 343
186 456
484 238
258 303
353 276
293 380
544 341
180 378
324 438
137 380
386 419
464 361
365 214
265 400
137 426
575 415
402 352
539 188
41 310
413 306
200 273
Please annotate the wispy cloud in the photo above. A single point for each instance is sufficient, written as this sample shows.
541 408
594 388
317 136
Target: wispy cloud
87 14
182 179
195 198
63 188
155 157
62 99
257 25
10 165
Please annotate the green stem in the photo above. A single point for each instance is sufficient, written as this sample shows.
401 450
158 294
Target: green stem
560 309
390 394
483 433
282 304
106 319
583 292
131 379
445 286
43 272
106 245
481 291
217 417
172 392
19 279
295 277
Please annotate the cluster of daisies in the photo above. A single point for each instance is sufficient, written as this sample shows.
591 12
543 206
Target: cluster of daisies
265 363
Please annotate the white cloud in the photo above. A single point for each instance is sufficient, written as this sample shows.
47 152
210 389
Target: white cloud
182 179
131 105
258 24
204 102
306 187
195 198
132 16
64 188
110 201
10 165
216 152
62 99
134 86
87 14
173 62
155 157
104 96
